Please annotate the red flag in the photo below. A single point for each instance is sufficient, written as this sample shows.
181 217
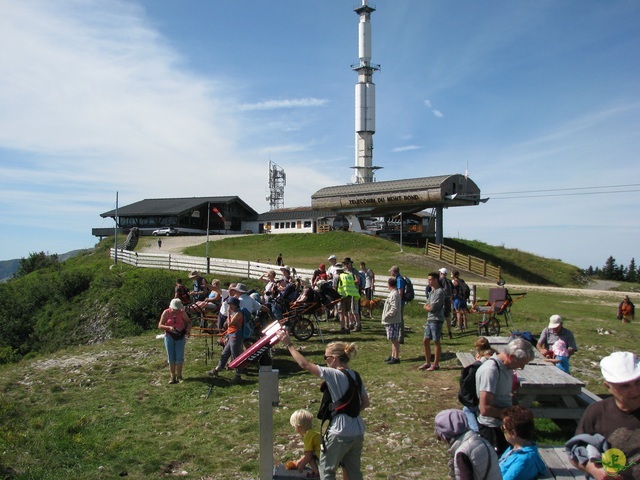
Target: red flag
217 212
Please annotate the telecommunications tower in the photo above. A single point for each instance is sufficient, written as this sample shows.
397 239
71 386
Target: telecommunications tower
365 99
277 181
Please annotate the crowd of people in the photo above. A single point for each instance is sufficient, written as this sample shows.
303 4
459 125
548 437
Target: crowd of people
495 438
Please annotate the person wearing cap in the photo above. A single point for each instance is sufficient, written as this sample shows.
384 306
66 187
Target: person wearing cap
556 331
471 456
319 274
233 338
224 307
331 270
616 418
199 286
494 383
176 325
246 300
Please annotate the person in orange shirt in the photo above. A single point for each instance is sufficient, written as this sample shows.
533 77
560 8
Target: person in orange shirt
233 338
626 310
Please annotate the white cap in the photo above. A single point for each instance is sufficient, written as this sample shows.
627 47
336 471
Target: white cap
620 367
555 321
443 270
176 304
331 257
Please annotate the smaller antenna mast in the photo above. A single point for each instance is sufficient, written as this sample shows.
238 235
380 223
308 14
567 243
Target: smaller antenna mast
277 182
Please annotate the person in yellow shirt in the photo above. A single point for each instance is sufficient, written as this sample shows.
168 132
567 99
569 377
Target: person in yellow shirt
302 421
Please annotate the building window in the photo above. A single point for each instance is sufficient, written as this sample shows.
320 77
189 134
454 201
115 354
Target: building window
288 225
307 224
281 224
299 224
276 225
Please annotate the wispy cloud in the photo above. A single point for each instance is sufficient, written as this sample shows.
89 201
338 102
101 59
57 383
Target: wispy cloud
407 148
435 111
288 103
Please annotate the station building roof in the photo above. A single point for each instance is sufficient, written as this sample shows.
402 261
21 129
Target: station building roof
409 195
174 206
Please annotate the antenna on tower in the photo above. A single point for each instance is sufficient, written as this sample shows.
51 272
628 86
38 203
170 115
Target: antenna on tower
277 182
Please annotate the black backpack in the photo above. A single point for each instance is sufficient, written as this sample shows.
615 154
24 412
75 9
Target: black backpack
467 395
409 292
348 404
465 291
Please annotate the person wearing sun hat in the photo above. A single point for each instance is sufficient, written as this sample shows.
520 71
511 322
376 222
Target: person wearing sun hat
556 331
471 456
616 418
176 325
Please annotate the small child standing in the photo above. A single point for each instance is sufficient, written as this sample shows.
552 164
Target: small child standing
560 355
302 421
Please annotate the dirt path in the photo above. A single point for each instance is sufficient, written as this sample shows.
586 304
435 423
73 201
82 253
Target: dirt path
176 244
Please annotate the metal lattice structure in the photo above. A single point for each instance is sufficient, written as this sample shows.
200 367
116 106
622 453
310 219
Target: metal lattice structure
277 182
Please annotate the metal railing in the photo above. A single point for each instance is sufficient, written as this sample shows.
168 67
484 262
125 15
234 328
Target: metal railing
233 268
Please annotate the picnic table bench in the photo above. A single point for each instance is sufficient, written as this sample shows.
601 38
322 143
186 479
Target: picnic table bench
558 465
545 389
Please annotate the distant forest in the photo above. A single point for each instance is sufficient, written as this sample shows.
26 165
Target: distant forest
613 271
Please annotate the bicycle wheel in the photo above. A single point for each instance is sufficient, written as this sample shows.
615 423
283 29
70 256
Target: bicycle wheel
302 328
489 327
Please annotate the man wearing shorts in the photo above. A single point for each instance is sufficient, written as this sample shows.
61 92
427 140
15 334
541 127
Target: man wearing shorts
392 320
435 320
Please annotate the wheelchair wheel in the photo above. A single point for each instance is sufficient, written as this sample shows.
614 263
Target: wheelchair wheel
489 327
302 328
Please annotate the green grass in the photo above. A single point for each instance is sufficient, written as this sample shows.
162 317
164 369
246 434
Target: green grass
307 250
99 411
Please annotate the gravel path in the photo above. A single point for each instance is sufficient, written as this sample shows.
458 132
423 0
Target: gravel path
178 243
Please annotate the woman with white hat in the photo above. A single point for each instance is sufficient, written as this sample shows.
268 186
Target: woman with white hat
176 325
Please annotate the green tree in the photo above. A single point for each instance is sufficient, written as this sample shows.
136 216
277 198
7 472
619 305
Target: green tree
632 271
35 261
609 269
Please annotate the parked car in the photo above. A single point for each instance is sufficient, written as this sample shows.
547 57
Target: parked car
165 231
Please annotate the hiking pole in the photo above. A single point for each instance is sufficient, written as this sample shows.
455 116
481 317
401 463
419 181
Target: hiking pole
209 392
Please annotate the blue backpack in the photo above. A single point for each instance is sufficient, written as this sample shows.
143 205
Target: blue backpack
247 330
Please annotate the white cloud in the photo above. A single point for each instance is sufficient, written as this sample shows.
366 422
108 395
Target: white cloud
436 112
288 103
407 148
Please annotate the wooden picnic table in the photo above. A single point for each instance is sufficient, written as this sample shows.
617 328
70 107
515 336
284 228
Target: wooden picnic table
545 389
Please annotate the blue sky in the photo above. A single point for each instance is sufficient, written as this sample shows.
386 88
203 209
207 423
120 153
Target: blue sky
158 98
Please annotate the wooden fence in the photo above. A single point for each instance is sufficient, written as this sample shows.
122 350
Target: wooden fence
235 268
469 263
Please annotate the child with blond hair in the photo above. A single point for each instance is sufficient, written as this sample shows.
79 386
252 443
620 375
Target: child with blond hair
302 421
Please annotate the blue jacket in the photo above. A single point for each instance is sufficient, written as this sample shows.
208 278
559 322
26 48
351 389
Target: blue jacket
522 464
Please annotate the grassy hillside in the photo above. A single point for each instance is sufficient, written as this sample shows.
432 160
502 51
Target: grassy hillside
302 250
522 267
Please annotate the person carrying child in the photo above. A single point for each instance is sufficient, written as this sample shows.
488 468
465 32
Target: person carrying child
302 421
